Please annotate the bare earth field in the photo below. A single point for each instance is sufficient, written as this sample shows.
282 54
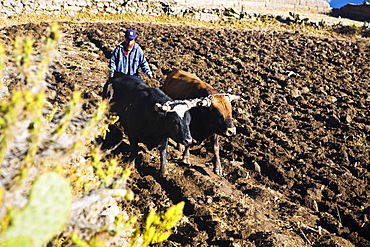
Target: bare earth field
298 171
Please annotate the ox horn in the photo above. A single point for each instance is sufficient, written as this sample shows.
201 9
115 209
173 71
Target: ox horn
232 97
160 107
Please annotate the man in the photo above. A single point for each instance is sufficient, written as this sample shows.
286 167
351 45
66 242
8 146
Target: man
128 57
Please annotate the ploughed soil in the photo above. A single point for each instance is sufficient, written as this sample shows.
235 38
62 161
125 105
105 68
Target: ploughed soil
298 171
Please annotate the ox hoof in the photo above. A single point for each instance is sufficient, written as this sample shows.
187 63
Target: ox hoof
186 161
218 171
131 164
181 148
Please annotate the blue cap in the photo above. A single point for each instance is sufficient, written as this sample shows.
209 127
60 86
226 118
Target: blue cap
130 34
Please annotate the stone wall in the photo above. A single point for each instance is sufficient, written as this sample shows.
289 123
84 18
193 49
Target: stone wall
11 7
314 5
71 7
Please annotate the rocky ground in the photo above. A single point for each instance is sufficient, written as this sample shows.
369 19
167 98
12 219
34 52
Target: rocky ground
296 174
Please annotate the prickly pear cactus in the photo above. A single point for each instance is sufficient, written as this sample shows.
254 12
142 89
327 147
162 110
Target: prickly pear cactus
44 215
17 241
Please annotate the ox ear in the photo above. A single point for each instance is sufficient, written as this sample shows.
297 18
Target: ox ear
232 97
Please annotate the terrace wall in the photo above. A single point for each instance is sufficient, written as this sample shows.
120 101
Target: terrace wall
11 7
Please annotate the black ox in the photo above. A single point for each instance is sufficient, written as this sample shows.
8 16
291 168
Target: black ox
147 115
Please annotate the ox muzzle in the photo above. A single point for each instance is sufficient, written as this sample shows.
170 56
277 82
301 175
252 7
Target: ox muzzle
230 131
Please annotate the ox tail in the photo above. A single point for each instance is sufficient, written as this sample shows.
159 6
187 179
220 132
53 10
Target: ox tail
108 91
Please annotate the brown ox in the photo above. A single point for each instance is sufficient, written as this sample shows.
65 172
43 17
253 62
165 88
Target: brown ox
206 122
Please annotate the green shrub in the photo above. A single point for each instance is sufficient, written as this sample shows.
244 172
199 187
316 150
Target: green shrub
31 146
158 226
40 149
